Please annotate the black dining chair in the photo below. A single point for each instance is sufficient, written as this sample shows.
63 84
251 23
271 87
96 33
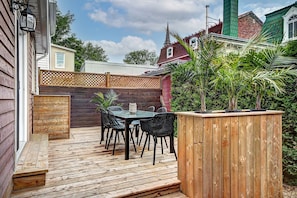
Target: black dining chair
161 109
117 127
115 108
105 125
136 127
160 126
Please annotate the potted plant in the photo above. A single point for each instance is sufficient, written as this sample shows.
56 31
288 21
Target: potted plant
103 101
199 69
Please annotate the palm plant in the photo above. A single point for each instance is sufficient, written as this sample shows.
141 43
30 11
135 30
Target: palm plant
200 67
268 73
103 101
254 67
230 76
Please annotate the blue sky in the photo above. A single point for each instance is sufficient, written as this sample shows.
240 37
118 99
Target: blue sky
122 26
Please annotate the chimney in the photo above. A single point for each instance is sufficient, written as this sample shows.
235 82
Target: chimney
230 18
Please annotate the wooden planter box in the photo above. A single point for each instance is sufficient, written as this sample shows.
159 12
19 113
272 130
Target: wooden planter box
230 154
51 115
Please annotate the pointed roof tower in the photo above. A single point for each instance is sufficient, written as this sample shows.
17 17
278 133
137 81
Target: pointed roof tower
167 40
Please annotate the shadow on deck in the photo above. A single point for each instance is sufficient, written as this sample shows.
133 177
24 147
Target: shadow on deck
81 167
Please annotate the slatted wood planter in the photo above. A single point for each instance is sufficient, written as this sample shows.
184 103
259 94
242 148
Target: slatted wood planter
51 116
230 154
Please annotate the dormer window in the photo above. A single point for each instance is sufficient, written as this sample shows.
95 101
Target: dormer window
292 27
169 52
193 42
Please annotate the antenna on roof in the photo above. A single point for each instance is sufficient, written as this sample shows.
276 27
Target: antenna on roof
206 20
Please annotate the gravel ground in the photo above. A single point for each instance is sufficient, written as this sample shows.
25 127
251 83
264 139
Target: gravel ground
289 191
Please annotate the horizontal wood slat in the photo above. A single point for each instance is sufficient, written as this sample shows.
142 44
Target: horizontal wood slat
51 115
83 112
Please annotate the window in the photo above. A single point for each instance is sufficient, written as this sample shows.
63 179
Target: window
292 32
290 25
194 42
169 52
60 60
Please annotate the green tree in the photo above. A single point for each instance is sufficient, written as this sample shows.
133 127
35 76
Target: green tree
94 52
64 37
74 43
63 29
291 48
140 57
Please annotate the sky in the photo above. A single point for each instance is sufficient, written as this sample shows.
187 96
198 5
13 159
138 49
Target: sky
123 26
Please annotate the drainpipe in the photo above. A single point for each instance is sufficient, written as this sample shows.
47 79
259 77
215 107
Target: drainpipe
37 72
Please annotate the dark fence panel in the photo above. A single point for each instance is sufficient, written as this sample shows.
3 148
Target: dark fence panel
83 112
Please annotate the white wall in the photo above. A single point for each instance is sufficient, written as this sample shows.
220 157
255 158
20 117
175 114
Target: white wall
116 68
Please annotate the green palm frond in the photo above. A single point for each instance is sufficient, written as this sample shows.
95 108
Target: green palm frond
103 101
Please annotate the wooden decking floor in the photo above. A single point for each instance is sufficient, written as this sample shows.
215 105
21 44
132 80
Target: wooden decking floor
81 167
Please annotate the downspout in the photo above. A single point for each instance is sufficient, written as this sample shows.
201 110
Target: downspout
17 91
37 72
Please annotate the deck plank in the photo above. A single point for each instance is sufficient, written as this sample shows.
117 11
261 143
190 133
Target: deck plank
81 167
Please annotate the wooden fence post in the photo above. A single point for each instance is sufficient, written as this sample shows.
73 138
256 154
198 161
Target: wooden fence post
107 79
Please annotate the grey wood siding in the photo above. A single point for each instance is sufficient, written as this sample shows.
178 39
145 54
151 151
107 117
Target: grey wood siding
7 96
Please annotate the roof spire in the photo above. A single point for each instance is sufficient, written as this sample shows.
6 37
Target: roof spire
167 40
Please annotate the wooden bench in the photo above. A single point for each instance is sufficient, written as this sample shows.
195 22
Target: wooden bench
32 165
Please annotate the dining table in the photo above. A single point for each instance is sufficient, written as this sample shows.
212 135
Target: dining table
128 118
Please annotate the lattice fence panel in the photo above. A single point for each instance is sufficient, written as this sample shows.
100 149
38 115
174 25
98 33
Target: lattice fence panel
134 82
71 79
75 79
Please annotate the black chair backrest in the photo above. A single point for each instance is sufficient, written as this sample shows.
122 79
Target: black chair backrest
113 120
115 108
162 109
104 117
160 125
151 108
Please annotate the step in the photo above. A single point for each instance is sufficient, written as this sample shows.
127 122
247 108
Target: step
32 165
160 190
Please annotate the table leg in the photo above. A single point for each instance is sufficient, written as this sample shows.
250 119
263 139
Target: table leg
102 131
171 144
127 139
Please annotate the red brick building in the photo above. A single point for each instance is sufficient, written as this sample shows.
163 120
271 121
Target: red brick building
248 25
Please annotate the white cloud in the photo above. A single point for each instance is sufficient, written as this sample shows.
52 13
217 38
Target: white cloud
117 51
149 16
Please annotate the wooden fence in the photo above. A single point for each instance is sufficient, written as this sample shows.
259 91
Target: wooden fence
145 91
92 80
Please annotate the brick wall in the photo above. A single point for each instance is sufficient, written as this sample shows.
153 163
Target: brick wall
248 26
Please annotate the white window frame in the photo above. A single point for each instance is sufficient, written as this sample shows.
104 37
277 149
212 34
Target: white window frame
59 63
290 19
193 42
169 52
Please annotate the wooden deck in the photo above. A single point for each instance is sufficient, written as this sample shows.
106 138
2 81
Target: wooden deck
81 167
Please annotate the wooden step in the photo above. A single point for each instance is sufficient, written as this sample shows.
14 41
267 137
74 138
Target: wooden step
32 165
161 190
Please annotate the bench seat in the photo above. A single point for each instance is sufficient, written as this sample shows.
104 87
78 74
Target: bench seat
32 165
